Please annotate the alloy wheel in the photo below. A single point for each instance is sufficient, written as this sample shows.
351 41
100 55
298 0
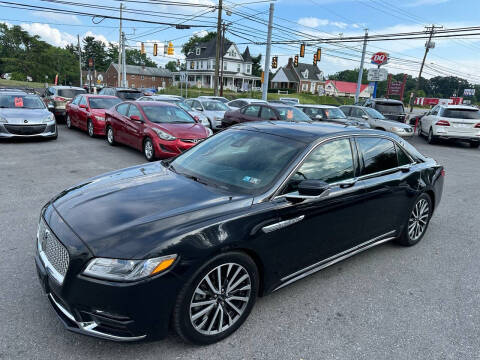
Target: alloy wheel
90 129
418 221
69 122
110 138
220 299
148 150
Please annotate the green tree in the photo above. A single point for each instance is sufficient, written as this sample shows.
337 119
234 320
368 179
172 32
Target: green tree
349 75
135 57
256 65
171 65
95 49
190 44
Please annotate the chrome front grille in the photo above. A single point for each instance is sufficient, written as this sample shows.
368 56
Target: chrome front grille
53 254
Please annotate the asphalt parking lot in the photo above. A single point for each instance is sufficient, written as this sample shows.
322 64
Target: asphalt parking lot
390 302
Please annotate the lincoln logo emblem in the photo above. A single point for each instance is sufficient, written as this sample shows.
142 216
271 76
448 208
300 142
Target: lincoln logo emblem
25 121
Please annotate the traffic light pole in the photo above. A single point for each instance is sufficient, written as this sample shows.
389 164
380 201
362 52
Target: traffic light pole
360 72
80 60
267 55
120 49
217 49
222 51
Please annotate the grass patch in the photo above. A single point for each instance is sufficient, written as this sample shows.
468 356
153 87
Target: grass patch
24 84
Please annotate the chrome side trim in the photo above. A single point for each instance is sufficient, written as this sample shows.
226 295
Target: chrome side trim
282 224
335 259
89 327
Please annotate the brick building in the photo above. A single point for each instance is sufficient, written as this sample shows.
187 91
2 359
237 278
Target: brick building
301 78
140 77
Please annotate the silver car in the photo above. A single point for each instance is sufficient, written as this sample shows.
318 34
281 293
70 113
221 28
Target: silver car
377 120
177 100
214 110
218 98
57 97
25 115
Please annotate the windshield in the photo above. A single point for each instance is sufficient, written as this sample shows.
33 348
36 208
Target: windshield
103 103
167 114
461 113
390 108
177 102
239 161
374 113
70 93
21 102
333 113
289 113
214 106
129 95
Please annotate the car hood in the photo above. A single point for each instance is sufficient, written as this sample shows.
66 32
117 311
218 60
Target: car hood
18 116
131 212
218 114
184 131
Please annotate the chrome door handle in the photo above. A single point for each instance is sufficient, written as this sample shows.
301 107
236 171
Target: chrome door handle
347 183
282 224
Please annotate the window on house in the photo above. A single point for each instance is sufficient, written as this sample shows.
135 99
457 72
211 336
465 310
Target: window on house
249 69
133 76
143 77
153 78
197 51
225 65
238 67
198 65
304 87
201 64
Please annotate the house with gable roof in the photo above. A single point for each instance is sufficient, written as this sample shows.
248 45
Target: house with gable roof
302 78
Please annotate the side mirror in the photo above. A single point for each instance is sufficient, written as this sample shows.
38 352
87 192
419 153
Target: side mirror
135 118
199 109
364 117
318 117
197 119
50 106
312 187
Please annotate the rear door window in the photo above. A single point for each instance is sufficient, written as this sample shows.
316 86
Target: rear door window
267 113
82 101
252 110
133 111
346 110
379 154
123 109
357 113
402 156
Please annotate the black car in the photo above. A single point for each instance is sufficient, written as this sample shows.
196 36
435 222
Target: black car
390 108
122 93
192 242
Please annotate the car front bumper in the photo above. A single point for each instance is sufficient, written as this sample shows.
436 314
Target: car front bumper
404 134
47 130
167 149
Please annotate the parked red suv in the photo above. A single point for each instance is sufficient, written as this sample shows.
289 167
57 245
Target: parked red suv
87 112
160 130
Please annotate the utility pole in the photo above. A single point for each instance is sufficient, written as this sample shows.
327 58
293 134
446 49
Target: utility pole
120 72
80 59
266 72
124 65
217 48
360 72
222 51
428 45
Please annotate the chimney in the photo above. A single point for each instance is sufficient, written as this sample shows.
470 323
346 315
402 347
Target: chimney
290 62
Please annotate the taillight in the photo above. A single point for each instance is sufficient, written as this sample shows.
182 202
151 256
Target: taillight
442 123
442 172
59 98
477 126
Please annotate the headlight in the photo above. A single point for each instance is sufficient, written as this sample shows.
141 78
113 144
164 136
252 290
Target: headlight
398 129
127 270
163 135
100 118
3 120
49 118
209 132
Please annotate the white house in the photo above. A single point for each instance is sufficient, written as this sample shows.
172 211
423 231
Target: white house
237 67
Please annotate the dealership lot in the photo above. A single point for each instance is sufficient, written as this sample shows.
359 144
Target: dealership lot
389 302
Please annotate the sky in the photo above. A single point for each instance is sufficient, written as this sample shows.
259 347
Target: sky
293 20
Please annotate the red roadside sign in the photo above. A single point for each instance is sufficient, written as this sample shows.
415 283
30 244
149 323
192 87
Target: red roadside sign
380 58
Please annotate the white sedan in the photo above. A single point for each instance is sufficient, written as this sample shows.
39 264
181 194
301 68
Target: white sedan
457 122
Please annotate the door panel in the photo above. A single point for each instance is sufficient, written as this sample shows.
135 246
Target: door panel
118 122
133 129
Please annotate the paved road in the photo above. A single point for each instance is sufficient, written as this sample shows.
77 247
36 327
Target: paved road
388 303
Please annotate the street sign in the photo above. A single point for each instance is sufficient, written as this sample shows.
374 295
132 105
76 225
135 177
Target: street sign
379 58
377 74
183 76
469 92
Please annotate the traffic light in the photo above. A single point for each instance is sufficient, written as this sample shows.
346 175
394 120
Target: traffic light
315 59
274 62
170 50
155 49
295 61
165 48
263 77
319 54
178 62
302 50
142 48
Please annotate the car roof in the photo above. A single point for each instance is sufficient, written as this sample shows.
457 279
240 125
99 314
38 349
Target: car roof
307 132
150 102
99 96
67 87
383 100
317 106
460 107
15 92
249 100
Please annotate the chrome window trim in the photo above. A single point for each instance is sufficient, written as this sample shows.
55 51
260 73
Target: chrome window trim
300 274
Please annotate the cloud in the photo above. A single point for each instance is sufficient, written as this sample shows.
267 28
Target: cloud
313 22
65 18
97 37
50 35
416 3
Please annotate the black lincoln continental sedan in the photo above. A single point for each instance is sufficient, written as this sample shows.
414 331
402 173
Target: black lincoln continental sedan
191 242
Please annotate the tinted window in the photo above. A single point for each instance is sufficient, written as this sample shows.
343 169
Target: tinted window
378 154
461 113
240 161
330 162
345 109
356 112
402 157
70 93
267 113
389 108
434 111
129 95
292 114
252 110
214 106
133 111
122 109
374 114
103 103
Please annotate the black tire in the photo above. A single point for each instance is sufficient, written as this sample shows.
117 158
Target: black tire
148 149
110 139
431 139
90 129
182 323
474 144
406 239
69 122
